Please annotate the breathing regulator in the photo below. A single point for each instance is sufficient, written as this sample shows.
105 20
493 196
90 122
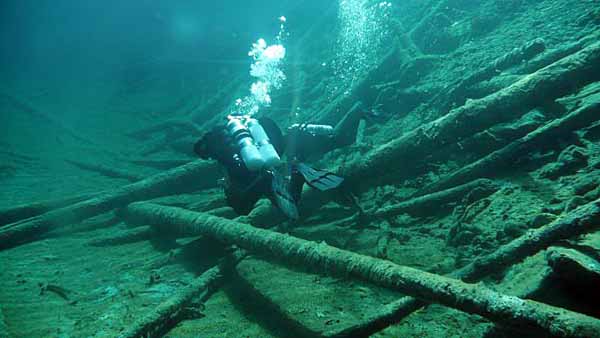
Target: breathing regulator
254 144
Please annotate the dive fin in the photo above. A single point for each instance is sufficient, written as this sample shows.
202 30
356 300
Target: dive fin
319 179
282 196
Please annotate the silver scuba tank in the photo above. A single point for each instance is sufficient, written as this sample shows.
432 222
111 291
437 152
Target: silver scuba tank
266 149
314 129
242 137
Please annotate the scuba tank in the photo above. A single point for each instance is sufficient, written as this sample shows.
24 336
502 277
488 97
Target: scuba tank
266 149
243 139
314 129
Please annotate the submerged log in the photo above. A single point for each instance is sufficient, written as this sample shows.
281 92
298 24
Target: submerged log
387 315
558 53
47 119
168 313
3 327
161 164
193 176
24 211
456 96
428 204
574 267
105 170
556 80
426 286
501 159
98 222
582 220
174 126
125 237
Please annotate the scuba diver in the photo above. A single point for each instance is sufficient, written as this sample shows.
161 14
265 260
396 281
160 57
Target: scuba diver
251 150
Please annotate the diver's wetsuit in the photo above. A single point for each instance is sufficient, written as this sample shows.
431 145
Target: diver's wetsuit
244 187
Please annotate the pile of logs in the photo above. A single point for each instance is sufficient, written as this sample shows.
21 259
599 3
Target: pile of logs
471 298
28 223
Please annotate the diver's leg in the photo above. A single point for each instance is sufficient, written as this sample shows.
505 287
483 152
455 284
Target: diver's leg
344 133
241 201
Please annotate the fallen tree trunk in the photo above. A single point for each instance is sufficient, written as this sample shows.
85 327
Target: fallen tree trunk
98 222
125 237
582 220
501 159
24 211
456 96
574 267
161 164
470 298
558 53
423 205
3 327
551 82
168 313
171 127
585 219
388 315
193 176
106 171
45 118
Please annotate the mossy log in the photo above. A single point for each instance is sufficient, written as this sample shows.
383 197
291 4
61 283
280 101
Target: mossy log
106 171
160 164
456 95
169 127
98 222
45 118
125 237
426 286
501 159
576 268
582 220
168 313
553 55
3 327
556 80
24 211
428 204
387 315
193 176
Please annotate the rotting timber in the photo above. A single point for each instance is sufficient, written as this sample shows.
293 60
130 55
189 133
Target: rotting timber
551 82
471 298
174 181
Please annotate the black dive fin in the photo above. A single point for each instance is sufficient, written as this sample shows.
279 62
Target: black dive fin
282 196
319 179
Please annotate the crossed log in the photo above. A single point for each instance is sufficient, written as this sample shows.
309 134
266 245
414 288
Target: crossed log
579 221
550 82
471 298
193 176
168 313
21 212
3 328
500 159
553 81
